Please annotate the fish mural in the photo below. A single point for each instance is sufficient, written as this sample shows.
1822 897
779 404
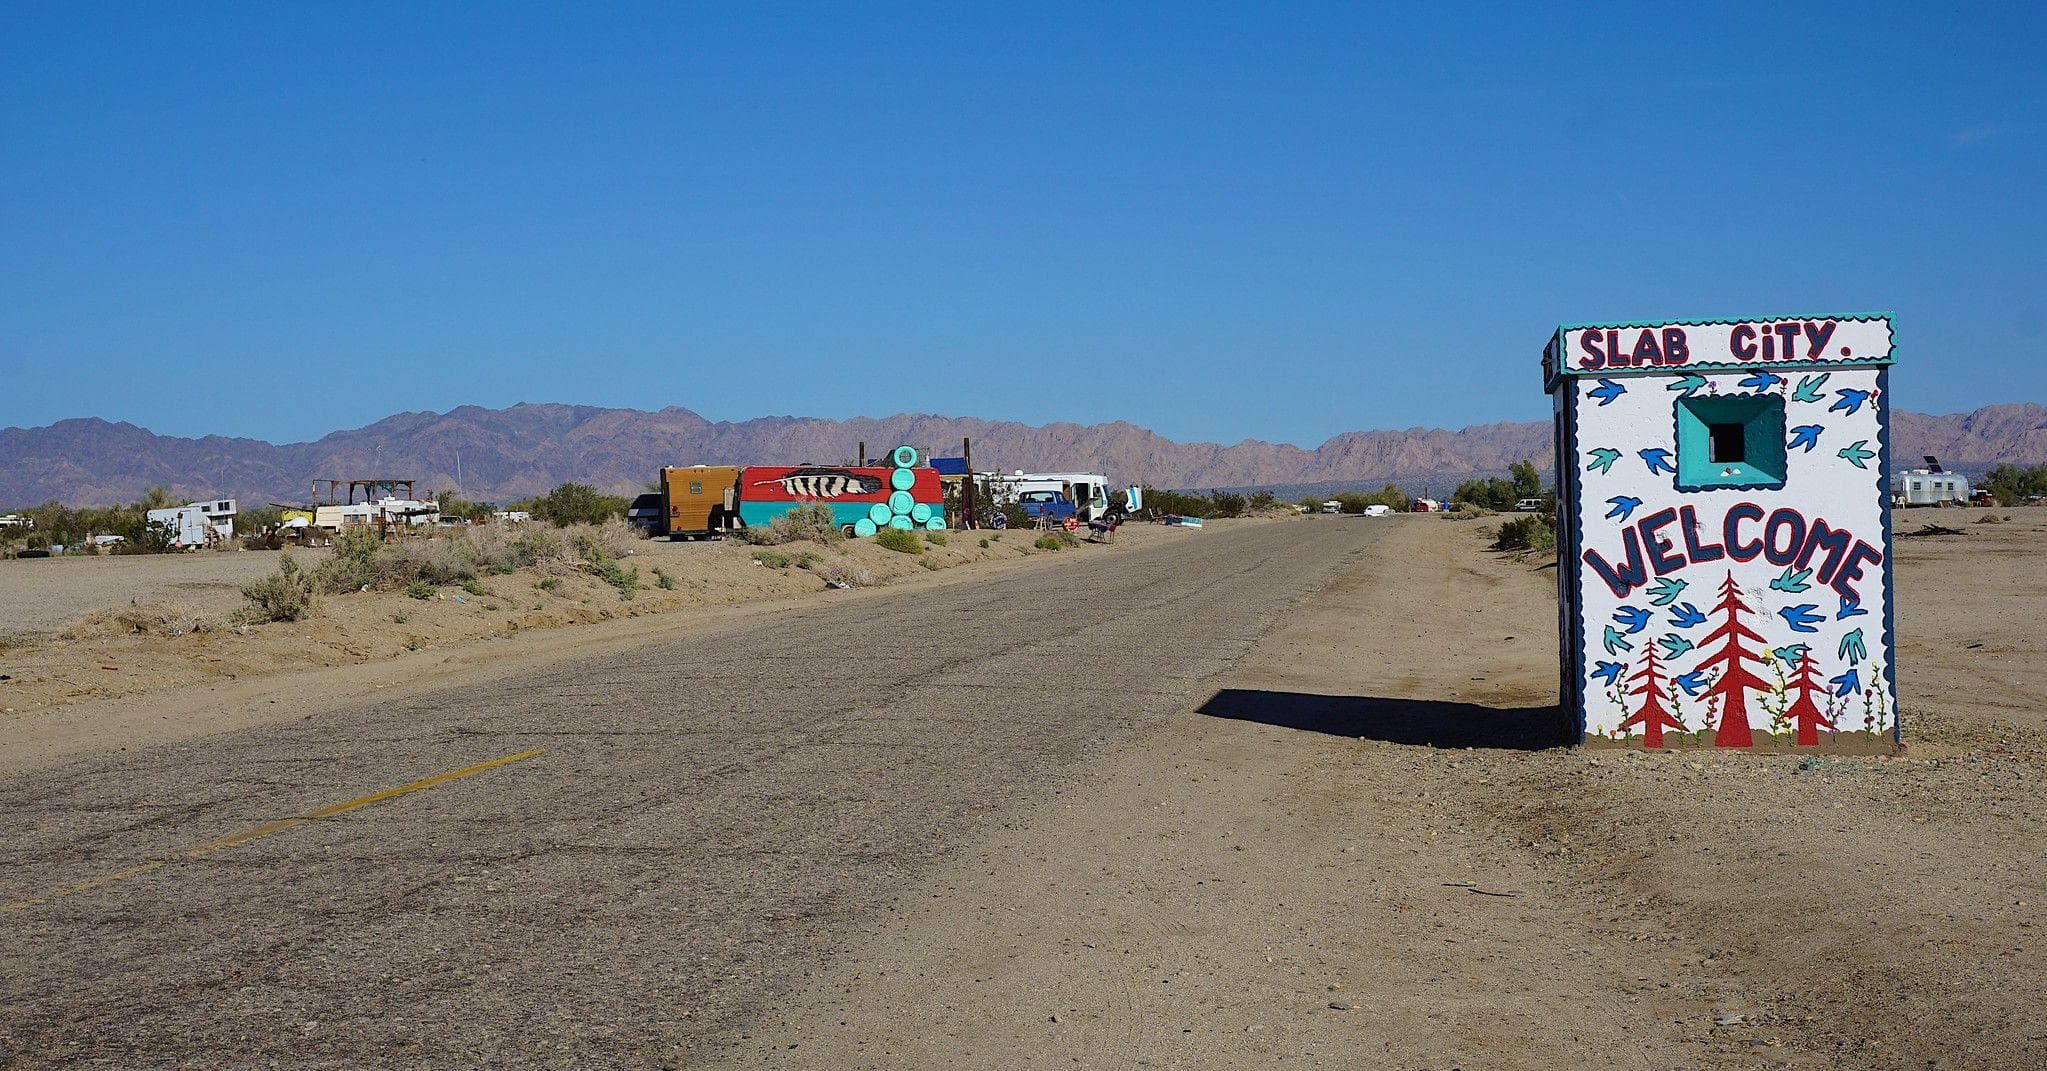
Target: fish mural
1760 504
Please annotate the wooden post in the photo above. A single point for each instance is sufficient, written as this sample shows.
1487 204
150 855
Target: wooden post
861 461
968 519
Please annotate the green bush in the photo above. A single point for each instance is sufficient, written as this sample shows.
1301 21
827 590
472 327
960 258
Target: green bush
549 584
627 581
772 559
285 595
1049 542
576 503
812 522
984 544
663 580
353 566
474 587
936 539
1527 532
422 589
897 539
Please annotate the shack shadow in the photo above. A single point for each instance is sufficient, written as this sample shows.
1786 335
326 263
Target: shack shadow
1423 722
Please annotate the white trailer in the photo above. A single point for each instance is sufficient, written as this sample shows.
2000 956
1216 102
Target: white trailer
195 524
1930 487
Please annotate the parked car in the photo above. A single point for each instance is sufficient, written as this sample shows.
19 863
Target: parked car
647 514
1528 505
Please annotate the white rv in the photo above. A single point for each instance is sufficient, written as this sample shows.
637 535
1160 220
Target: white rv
196 524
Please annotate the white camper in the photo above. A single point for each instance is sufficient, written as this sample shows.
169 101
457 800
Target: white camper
195 524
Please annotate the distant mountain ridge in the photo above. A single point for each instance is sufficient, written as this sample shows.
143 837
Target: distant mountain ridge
504 454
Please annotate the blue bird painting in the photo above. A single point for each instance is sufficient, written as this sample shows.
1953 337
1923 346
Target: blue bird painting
1666 590
1634 619
1685 615
1607 391
1809 387
1688 385
1801 618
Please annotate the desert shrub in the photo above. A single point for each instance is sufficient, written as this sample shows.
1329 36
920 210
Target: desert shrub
1262 501
1226 504
474 587
984 544
549 584
846 574
626 580
1990 518
772 559
1180 502
936 539
353 565
285 595
530 546
898 540
138 619
1048 542
1528 532
931 564
811 522
663 580
422 589
610 539
434 559
578 503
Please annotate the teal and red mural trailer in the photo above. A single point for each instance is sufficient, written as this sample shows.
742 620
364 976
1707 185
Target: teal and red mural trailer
1724 532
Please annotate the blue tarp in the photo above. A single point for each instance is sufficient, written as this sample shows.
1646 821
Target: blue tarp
949 466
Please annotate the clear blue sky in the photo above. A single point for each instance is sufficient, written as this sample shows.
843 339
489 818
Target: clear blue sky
1252 221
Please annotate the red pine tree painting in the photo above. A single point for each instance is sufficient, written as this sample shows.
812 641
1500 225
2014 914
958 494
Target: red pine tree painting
1652 717
1804 712
1736 680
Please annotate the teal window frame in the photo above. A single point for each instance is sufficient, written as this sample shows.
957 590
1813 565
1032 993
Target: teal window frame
1762 419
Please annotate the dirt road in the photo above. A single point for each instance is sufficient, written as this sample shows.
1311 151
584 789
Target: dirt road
708 823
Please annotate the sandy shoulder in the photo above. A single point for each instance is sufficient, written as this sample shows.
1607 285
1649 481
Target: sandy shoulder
1295 885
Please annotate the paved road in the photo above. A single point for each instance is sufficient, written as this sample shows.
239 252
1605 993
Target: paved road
708 821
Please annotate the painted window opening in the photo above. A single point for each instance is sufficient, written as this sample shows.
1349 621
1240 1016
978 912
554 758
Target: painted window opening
1730 441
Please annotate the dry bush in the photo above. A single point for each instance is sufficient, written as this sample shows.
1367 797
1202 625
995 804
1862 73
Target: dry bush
285 595
612 539
139 619
811 522
845 573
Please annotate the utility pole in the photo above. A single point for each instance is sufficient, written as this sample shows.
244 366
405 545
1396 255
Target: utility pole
967 489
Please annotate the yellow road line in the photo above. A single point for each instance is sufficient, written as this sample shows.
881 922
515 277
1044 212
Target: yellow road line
234 840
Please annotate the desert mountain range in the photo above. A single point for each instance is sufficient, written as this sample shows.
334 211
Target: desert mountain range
505 454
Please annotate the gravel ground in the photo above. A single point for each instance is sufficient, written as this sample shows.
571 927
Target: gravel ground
46 594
